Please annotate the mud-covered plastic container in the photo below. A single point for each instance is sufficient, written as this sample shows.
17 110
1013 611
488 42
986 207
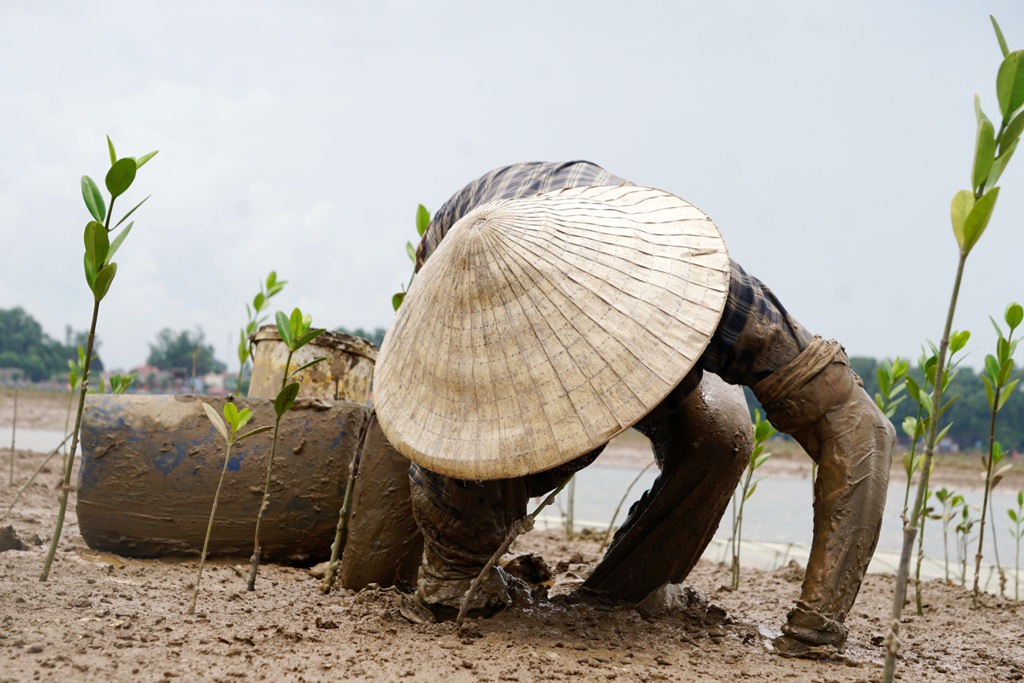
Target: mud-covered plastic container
150 466
345 375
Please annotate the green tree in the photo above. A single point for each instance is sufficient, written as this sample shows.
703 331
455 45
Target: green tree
24 345
174 350
376 337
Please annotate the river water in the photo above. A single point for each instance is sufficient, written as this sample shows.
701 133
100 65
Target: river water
777 520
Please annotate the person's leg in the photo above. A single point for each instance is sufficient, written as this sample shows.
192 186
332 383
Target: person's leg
810 392
819 400
463 523
703 447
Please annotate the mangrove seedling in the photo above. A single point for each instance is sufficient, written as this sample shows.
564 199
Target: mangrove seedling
1017 532
260 302
951 503
998 389
891 388
99 274
963 539
758 456
14 427
970 212
422 222
228 426
295 334
75 374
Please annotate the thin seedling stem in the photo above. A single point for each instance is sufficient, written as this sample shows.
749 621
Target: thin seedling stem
910 529
984 500
31 479
615 515
70 460
346 504
209 529
14 426
520 526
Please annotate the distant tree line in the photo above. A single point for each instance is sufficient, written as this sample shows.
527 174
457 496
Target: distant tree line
376 337
970 414
24 346
178 350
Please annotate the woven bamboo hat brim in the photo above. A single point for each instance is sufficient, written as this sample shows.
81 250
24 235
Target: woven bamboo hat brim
544 326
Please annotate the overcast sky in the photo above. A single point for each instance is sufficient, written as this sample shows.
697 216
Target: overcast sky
825 139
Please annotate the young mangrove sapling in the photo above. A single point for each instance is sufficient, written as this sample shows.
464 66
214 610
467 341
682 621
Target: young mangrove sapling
99 274
758 456
228 427
998 389
970 212
1017 532
295 334
253 319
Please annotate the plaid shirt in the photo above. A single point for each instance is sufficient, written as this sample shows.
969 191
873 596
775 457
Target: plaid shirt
750 304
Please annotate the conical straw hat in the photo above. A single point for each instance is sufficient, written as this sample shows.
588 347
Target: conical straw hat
544 326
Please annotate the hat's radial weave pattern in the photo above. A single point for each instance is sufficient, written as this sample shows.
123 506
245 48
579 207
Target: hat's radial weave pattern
543 326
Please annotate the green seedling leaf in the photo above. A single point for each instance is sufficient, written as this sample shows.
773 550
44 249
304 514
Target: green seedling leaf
306 365
422 219
947 404
141 161
958 340
1012 132
978 113
90 270
942 433
977 219
243 347
750 492
1007 393
397 300
113 154
989 391
1010 84
297 324
283 328
120 177
93 199
217 421
116 244
1004 371
306 338
984 152
103 280
910 427
1014 315
999 36
410 251
258 430
96 244
992 367
130 212
258 301
999 165
963 202
285 398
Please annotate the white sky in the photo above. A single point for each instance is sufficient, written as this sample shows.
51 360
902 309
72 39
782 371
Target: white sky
825 139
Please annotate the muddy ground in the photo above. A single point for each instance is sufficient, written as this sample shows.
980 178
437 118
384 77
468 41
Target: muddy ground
102 618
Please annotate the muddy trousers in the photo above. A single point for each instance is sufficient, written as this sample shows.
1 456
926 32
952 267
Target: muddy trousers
702 441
